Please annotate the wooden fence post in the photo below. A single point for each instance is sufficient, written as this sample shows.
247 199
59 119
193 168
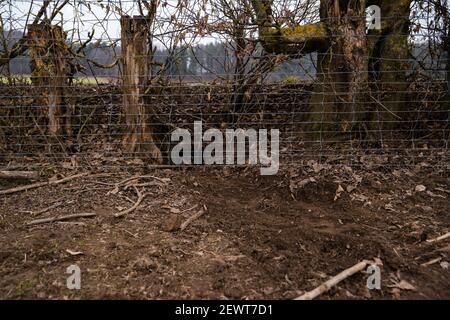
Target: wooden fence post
135 68
49 72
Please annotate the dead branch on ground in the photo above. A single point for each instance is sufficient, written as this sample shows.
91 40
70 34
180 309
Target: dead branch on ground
19 175
326 286
141 197
124 182
191 219
443 237
42 184
61 218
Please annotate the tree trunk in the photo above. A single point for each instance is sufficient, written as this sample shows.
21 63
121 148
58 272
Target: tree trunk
339 92
347 62
139 137
388 65
48 62
238 97
446 44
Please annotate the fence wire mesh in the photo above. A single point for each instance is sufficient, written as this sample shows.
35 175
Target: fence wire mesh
105 84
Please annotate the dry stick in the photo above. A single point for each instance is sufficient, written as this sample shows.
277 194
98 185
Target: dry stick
41 184
53 206
185 224
190 209
140 177
430 263
19 175
334 281
62 218
445 236
141 197
121 183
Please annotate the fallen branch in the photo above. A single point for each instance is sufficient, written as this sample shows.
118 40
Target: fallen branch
62 218
36 213
123 182
141 197
191 219
19 175
443 237
42 184
430 263
335 280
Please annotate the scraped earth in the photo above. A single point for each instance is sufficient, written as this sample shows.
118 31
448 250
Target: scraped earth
260 237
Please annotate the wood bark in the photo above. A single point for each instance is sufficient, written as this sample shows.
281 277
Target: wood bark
139 137
18 174
338 97
352 68
48 62
389 63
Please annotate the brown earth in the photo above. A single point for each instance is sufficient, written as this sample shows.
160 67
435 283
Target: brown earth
260 237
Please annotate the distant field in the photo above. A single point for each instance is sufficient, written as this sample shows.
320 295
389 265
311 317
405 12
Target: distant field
77 80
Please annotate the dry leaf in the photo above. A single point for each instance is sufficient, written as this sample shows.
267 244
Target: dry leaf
403 285
378 262
421 188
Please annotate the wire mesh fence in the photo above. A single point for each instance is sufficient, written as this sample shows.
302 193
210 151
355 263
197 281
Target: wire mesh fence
106 84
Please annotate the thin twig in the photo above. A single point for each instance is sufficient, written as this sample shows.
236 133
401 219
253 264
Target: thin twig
42 184
430 263
123 182
62 218
443 237
191 219
53 206
141 197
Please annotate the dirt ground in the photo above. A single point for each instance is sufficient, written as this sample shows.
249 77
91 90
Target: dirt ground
259 238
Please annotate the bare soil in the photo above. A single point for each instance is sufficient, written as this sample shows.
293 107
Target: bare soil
260 238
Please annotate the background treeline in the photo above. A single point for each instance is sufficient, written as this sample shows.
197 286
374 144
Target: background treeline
212 60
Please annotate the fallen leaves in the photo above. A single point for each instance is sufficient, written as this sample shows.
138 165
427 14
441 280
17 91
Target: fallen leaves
402 285
294 185
398 284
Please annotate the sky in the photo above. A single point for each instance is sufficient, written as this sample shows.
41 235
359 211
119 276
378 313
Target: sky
83 16
78 16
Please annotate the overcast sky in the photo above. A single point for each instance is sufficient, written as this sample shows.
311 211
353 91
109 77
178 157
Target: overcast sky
76 15
82 16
